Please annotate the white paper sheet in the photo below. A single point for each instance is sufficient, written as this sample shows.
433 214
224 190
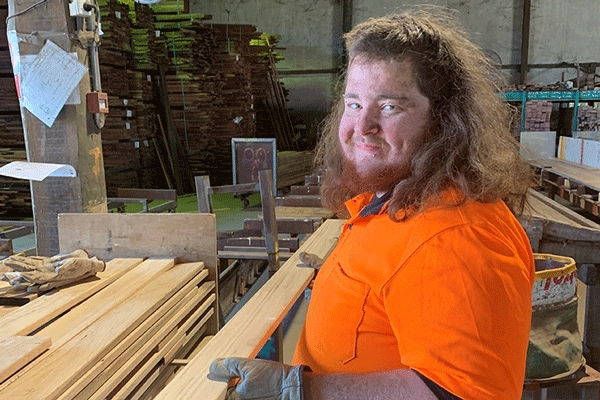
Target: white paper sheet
27 60
36 171
50 80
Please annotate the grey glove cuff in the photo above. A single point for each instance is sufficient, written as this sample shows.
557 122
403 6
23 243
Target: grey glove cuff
293 387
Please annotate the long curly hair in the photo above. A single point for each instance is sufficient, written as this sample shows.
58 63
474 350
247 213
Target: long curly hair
468 145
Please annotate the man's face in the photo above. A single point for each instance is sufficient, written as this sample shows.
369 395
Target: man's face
384 120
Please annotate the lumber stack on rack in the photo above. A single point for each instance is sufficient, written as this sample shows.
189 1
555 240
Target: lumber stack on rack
537 116
120 332
587 118
293 166
218 78
129 54
15 194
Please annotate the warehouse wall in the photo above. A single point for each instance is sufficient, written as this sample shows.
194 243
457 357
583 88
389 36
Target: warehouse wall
311 35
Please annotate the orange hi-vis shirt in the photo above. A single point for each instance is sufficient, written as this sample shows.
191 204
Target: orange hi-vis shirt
446 293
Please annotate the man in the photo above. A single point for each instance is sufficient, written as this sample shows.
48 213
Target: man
428 293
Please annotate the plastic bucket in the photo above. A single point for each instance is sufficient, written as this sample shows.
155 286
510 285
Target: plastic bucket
555 346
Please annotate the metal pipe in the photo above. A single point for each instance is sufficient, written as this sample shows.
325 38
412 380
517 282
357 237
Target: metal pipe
525 40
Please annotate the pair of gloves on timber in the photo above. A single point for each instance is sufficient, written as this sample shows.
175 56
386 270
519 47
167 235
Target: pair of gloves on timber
39 274
260 379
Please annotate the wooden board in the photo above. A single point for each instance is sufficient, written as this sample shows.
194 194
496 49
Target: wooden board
284 225
300 212
29 317
583 174
80 318
17 351
555 229
299 201
10 296
138 344
191 236
541 206
250 328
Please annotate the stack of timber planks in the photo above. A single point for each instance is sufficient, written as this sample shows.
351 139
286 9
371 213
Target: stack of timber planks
15 194
250 328
128 68
112 337
537 116
587 118
293 166
221 85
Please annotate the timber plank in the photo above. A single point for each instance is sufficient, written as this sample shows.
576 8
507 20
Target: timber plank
142 371
5 310
299 201
284 225
110 363
250 328
544 207
33 315
303 212
190 236
102 303
17 351
11 296
62 367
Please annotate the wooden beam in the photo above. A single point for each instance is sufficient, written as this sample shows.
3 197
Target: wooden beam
156 358
299 201
246 333
251 255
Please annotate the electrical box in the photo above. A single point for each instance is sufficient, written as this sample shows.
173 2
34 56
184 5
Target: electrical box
97 102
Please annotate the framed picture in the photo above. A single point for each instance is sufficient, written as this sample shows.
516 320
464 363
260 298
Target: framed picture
251 155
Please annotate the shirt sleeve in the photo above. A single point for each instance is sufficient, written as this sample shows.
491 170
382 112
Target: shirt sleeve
460 308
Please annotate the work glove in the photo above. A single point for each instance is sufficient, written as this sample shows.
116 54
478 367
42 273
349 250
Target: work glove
260 379
309 260
38 274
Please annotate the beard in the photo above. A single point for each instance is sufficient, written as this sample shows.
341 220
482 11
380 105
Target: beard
382 178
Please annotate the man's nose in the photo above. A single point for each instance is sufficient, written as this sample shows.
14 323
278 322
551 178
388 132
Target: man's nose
367 123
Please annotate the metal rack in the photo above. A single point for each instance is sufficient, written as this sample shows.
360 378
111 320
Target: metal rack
574 96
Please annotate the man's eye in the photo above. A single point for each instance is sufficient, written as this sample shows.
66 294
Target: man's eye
389 107
353 106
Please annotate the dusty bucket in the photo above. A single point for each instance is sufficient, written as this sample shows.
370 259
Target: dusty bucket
555 345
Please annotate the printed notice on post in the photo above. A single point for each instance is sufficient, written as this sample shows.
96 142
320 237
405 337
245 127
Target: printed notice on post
50 80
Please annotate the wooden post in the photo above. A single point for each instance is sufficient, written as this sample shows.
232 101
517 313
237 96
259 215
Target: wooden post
203 195
271 240
69 140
